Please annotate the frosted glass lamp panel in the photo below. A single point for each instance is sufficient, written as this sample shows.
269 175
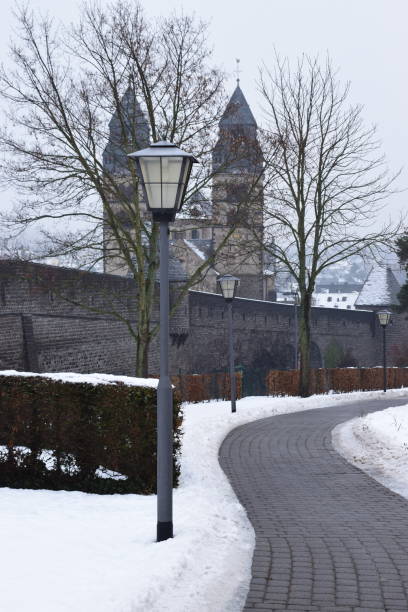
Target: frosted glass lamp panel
185 173
171 170
169 191
229 288
151 172
150 167
154 195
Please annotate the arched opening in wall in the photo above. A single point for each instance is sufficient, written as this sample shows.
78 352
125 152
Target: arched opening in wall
333 354
280 357
254 374
316 360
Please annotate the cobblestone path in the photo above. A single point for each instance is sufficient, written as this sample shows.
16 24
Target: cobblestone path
328 537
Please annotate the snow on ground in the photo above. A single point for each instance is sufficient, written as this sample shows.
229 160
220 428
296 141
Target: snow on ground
76 552
378 444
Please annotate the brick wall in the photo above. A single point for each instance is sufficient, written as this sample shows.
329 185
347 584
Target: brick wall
44 326
265 334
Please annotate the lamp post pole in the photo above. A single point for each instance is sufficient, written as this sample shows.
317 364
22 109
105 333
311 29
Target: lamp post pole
229 285
296 329
384 359
163 171
164 402
384 317
231 359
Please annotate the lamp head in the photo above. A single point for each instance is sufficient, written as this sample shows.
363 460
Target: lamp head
229 285
164 171
384 317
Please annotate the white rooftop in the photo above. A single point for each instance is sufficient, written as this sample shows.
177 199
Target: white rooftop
380 288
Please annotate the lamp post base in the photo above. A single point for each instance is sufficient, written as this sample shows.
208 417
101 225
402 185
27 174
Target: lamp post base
164 531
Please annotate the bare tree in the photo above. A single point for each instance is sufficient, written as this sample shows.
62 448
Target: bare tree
64 87
327 181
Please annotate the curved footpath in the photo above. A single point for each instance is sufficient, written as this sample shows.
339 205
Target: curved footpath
328 537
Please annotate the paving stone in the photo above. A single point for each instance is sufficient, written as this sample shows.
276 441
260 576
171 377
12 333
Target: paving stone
328 537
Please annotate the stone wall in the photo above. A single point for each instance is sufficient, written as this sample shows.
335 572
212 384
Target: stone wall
55 319
265 334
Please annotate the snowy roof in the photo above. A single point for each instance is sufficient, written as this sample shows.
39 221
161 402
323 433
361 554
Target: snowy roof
201 247
380 288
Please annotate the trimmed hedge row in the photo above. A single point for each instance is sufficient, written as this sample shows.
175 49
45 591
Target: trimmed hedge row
340 380
86 427
203 387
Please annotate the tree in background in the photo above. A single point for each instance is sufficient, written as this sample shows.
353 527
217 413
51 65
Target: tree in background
64 87
402 252
327 181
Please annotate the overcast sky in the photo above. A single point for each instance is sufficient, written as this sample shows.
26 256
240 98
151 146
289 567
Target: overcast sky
366 39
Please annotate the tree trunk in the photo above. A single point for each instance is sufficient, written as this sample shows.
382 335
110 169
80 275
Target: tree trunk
304 345
142 358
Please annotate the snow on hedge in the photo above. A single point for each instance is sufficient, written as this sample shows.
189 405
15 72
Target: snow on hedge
76 552
378 444
93 379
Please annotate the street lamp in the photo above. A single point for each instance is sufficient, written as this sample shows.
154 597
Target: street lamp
229 285
295 294
384 317
163 170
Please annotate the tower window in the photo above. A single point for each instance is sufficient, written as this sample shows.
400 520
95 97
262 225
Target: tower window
194 234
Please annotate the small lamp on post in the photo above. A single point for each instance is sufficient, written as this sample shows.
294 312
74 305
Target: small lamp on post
229 285
163 170
384 317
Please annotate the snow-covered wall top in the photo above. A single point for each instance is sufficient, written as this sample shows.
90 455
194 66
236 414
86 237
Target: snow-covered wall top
93 379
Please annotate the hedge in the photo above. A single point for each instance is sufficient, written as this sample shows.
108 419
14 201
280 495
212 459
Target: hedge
340 380
86 427
203 387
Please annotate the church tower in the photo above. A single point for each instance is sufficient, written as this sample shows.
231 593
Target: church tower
128 132
237 195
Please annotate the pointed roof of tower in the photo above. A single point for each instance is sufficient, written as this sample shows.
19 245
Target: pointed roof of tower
136 128
380 289
237 147
133 116
237 111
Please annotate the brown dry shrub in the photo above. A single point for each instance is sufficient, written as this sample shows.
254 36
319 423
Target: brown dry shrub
204 387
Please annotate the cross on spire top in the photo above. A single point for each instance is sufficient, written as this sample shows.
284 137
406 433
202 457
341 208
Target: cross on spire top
238 70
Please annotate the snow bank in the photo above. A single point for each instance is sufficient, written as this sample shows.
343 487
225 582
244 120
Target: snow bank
76 552
378 444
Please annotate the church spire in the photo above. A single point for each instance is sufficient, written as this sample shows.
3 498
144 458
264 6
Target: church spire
237 147
237 112
131 130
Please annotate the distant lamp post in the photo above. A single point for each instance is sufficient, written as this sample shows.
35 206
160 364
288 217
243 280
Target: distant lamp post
384 317
295 294
164 170
229 285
